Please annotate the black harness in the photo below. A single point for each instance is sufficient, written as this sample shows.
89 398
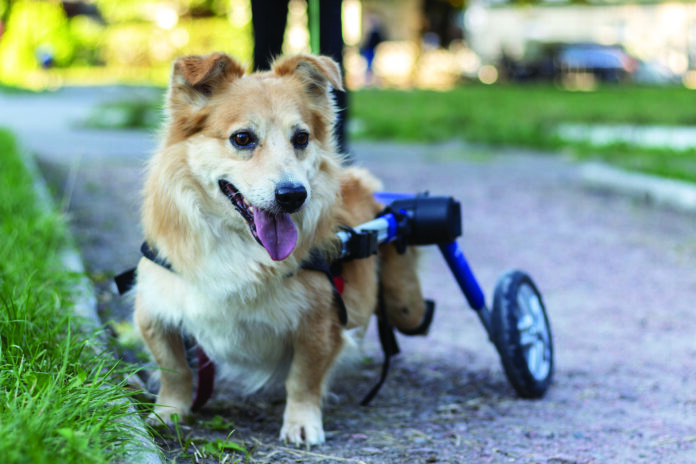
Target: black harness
316 262
359 245
126 280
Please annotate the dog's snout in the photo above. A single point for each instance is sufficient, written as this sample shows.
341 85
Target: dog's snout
290 197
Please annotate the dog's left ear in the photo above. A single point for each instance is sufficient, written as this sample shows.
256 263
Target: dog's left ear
317 73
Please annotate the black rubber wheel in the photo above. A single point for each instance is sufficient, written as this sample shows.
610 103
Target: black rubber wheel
522 334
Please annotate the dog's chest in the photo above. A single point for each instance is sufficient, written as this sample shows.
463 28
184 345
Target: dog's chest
248 334
250 339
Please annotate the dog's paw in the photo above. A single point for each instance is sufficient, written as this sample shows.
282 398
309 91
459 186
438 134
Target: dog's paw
303 428
299 434
168 415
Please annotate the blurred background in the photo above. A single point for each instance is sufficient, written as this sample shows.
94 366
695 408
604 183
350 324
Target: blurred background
601 79
407 43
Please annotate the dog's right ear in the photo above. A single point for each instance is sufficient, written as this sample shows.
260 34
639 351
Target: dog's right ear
195 79
203 76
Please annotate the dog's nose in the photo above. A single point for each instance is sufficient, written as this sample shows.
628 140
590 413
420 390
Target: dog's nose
290 197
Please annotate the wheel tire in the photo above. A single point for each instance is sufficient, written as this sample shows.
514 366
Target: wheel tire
522 334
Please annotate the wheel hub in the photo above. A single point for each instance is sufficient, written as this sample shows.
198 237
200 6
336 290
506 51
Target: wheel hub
534 333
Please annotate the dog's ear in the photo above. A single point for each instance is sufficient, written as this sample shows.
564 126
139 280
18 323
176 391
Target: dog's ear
195 79
316 72
204 75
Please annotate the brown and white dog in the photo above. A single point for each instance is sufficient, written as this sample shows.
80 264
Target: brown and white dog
246 183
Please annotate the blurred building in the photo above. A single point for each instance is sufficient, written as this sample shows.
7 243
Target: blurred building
437 43
660 35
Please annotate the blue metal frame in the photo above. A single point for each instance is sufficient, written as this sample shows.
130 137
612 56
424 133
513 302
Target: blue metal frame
463 275
467 283
386 227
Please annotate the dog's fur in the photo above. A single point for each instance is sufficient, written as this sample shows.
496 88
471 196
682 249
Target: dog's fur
244 297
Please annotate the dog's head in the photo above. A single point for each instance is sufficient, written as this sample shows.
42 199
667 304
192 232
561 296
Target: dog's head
257 144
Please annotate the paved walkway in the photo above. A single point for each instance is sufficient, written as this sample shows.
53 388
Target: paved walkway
617 276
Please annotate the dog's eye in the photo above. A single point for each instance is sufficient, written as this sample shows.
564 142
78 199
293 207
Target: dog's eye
243 139
300 139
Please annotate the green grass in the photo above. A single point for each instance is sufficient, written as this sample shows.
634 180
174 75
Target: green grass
126 114
209 439
522 114
59 399
527 116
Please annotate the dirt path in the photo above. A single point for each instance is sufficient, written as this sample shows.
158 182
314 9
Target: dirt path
618 281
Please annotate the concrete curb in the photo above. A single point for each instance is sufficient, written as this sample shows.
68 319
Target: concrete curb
143 450
669 193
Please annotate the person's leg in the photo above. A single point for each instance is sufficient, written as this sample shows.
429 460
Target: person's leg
331 44
269 18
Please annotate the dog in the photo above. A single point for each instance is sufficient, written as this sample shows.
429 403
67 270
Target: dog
245 186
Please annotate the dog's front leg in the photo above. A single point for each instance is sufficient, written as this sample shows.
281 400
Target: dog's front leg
167 347
316 345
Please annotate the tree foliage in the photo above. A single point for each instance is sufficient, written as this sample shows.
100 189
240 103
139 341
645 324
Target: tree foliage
127 36
33 30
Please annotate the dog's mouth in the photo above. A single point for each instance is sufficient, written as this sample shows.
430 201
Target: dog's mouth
274 231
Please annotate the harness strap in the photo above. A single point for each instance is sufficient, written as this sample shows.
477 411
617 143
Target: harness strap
125 281
390 347
152 254
317 262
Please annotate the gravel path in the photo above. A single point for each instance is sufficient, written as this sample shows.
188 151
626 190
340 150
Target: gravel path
616 274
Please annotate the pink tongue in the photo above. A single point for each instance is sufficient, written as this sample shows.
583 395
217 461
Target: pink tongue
277 233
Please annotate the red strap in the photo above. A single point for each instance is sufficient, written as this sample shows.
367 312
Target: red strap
206 380
339 283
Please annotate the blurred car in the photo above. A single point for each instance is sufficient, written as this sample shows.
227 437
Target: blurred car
608 63
552 61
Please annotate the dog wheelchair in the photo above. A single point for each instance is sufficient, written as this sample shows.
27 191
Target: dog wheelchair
517 324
